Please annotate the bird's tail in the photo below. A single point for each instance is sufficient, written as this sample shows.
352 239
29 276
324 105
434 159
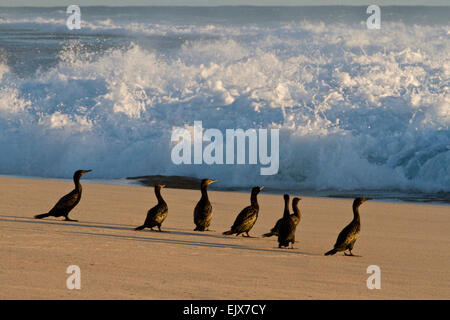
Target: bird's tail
228 232
40 216
268 234
331 252
140 227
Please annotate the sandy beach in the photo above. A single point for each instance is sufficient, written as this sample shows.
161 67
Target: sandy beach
409 242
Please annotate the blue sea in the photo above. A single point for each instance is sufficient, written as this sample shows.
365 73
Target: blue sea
359 110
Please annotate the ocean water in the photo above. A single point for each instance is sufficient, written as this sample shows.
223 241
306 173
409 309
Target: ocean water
358 110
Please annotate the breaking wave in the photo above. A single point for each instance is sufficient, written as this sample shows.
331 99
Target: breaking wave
356 109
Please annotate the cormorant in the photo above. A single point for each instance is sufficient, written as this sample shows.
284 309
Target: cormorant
296 217
349 235
68 202
203 209
286 229
247 217
157 214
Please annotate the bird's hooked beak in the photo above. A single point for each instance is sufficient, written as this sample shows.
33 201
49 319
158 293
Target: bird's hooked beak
260 188
212 181
162 186
86 171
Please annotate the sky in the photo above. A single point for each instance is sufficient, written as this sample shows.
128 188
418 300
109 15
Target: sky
39 3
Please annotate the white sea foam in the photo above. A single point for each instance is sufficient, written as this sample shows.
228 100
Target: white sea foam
356 108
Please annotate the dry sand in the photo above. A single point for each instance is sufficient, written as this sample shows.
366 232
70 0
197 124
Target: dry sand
409 242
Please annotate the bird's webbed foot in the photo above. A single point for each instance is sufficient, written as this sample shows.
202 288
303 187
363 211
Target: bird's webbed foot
350 254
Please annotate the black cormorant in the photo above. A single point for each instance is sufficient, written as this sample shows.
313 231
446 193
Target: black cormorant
157 214
247 217
296 216
69 201
286 229
203 209
349 235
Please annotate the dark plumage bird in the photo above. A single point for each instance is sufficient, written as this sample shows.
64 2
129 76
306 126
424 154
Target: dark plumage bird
296 217
349 235
203 209
69 201
157 214
247 217
287 226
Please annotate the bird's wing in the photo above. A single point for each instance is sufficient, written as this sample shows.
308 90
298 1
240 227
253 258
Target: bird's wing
67 201
247 215
202 210
157 212
345 236
276 227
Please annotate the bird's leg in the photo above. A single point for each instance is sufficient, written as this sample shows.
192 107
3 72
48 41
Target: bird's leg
249 236
351 254
159 228
68 219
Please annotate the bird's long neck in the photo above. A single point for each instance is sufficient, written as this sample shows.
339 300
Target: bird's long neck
286 207
296 210
356 212
204 193
158 195
254 200
76 180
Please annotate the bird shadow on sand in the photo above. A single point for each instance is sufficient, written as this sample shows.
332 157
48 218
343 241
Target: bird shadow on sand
60 222
152 239
195 243
112 226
